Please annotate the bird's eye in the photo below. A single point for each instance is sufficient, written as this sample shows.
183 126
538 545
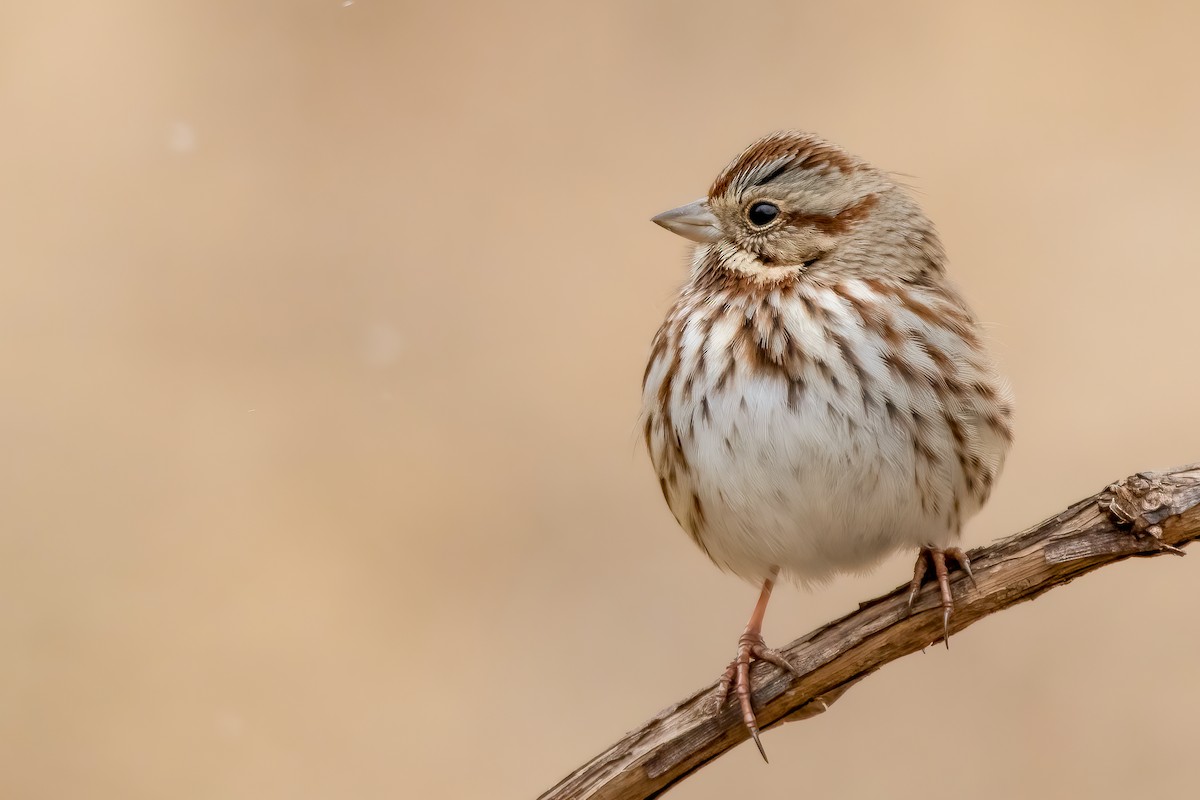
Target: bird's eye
762 214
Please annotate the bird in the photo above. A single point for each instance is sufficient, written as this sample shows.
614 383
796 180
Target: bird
820 395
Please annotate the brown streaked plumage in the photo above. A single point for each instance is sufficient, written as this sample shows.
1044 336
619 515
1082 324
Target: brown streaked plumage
796 151
819 395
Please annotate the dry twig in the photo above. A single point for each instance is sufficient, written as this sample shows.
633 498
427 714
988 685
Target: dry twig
1146 514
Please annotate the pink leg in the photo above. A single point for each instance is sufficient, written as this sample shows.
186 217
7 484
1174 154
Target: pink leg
751 646
932 555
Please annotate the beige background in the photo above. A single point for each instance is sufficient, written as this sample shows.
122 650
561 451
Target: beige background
321 328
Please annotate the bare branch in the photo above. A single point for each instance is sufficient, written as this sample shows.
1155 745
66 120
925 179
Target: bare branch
1146 514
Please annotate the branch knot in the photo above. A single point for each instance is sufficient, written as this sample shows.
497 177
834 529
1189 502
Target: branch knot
1145 501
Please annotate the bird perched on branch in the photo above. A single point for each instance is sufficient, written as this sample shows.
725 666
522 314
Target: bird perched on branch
819 395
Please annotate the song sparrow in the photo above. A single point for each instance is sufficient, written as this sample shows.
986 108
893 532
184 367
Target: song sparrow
819 396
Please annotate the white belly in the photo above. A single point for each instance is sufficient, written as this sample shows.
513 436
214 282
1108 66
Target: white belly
811 490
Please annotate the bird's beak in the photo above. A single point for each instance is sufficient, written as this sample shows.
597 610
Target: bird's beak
694 221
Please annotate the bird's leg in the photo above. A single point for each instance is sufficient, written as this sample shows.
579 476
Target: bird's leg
751 646
932 555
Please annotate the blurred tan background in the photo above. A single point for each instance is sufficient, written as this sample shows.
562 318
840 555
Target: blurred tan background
322 327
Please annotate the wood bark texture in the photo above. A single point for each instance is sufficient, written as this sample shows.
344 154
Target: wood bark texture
1147 514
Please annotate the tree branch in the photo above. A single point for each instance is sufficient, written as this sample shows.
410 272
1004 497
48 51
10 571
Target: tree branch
1146 514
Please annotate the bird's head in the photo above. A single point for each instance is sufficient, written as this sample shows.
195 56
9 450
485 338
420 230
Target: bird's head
792 203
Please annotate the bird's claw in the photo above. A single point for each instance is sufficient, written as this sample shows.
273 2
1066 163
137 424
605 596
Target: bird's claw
736 679
936 557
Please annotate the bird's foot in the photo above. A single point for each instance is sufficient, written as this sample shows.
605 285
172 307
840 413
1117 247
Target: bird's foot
937 558
737 679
